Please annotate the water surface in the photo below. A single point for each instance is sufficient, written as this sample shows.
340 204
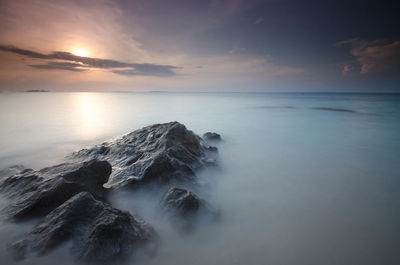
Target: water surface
303 179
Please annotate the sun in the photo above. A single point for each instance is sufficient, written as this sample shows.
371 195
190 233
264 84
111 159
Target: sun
81 53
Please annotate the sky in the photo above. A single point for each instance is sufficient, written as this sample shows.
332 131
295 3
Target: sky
212 46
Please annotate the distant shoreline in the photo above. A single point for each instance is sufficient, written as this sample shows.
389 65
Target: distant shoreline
37 90
212 93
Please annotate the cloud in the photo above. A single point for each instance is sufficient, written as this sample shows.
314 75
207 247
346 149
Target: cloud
60 66
347 68
67 25
147 70
165 35
240 66
377 56
73 62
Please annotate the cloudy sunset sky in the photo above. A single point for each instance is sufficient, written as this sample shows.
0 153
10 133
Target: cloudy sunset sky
272 45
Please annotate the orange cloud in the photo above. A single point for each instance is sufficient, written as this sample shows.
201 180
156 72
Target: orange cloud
373 56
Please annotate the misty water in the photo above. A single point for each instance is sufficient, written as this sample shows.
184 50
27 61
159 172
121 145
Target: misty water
302 178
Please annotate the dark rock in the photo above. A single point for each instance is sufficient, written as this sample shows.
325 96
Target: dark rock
71 195
92 174
160 153
14 185
36 193
333 109
48 195
185 208
212 149
181 202
211 136
17 169
99 233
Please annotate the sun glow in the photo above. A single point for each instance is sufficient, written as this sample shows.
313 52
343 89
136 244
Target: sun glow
81 53
88 113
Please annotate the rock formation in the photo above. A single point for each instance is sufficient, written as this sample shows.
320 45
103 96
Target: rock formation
184 207
211 136
161 153
71 197
36 193
99 232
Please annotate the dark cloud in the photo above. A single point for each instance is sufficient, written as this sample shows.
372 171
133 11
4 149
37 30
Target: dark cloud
84 63
60 66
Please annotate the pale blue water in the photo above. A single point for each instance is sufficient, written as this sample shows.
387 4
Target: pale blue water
298 184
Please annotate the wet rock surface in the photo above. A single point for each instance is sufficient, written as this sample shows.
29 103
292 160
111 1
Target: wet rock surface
99 232
71 198
160 153
36 193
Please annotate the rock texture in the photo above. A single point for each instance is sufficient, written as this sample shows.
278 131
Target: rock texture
160 153
181 202
36 193
71 196
184 207
99 233
211 136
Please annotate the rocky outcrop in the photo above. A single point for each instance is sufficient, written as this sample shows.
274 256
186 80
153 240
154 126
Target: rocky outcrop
7 172
211 136
180 202
72 195
36 193
99 232
161 153
184 207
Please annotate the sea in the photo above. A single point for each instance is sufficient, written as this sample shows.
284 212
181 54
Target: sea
302 178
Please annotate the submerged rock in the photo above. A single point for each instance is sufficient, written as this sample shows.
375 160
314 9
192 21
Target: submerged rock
160 153
185 207
99 232
181 202
211 136
36 193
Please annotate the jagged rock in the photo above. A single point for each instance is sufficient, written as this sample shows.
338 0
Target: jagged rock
36 193
21 182
71 194
7 172
211 136
160 153
48 195
92 174
99 233
181 202
185 208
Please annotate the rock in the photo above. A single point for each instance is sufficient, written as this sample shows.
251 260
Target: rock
48 195
211 136
17 169
70 196
92 174
14 185
180 202
36 193
99 233
161 153
185 208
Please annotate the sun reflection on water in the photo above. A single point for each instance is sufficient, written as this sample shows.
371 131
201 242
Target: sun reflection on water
89 113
